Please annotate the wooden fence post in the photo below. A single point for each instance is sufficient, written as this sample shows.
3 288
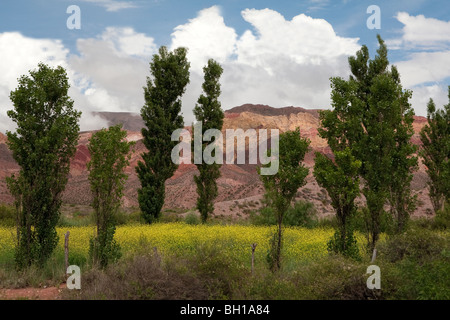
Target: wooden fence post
374 255
253 257
66 250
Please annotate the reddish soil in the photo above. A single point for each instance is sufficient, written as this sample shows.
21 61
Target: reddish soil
49 293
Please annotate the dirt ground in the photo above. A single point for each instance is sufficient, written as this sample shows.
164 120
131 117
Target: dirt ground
48 293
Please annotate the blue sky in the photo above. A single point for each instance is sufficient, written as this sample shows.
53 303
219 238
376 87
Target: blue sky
274 52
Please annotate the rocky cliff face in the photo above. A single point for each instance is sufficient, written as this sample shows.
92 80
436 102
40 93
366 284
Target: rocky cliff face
240 189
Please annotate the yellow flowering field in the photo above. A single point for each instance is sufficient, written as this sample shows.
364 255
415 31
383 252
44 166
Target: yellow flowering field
181 238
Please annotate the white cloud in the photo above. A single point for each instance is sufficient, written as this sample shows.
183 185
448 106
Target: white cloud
279 63
113 68
113 5
304 39
428 65
424 67
422 94
420 31
207 37
128 42
19 55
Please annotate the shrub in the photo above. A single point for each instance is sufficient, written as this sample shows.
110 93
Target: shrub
192 218
416 244
442 218
7 216
302 214
140 278
347 245
359 221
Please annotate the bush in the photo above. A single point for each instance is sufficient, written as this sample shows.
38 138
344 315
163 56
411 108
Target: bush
302 214
416 244
442 218
347 246
416 265
7 216
142 277
358 221
192 218
122 217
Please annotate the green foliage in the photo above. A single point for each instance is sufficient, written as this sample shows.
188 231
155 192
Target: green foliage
416 244
372 116
43 144
301 214
104 249
273 256
209 113
361 220
192 218
161 115
435 138
7 216
442 218
282 186
110 154
416 265
341 180
345 244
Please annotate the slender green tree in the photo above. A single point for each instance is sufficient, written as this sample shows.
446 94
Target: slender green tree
209 114
341 180
282 186
161 115
372 116
110 154
435 137
43 145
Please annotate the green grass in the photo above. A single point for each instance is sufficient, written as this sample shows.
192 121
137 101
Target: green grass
213 261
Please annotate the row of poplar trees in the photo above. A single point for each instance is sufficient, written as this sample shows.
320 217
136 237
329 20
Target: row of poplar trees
161 115
369 132
47 135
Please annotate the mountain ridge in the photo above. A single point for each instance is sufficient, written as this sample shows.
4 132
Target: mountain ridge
239 185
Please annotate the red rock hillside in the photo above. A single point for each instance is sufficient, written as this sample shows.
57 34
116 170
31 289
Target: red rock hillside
240 189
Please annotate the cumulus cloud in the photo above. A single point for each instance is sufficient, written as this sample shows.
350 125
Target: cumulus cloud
304 40
19 55
422 94
206 36
279 62
275 61
423 67
420 31
427 65
113 68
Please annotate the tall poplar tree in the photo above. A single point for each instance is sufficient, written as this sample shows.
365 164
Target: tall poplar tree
209 113
435 137
372 116
43 145
110 155
161 115
282 186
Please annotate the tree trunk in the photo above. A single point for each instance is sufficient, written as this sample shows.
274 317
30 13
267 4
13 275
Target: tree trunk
278 254
66 250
